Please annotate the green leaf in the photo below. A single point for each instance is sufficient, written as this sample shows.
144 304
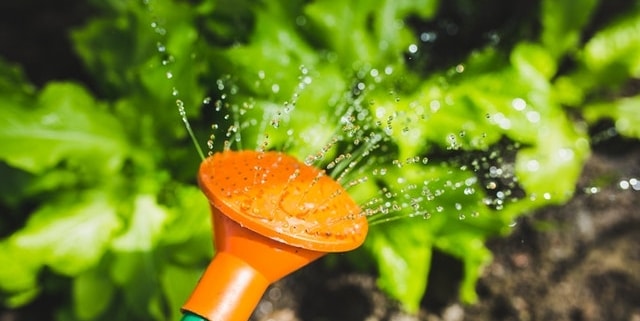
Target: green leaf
562 22
269 65
613 53
126 27
403 253
378 35
71 234
66 124
273 71
533 61
18 275
17 271
188 237
625 112
146 226
560 151
177 284
92 293
14 86
455 219
470 249
137 273
19 299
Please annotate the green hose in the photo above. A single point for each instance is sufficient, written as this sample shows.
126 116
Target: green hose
192 317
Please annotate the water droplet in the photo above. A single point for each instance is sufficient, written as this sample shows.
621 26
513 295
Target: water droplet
50 119
181 110
428 36
168 60
434 105
159 30
533 165
301 20
495 171
493 37
592 190
161 47
518 104
501 120
624 184
533 116
246 205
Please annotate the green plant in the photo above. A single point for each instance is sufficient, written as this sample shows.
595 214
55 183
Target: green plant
100 191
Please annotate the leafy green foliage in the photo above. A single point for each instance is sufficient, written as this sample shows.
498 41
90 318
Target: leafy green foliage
112 207
102 189
59 127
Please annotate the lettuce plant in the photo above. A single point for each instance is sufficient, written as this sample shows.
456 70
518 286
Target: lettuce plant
98 186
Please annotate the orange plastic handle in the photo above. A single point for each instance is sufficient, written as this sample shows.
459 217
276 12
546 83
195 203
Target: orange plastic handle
243 267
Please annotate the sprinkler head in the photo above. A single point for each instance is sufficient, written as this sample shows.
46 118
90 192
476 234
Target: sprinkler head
272 215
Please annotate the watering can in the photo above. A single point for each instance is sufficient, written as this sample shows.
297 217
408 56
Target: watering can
271 215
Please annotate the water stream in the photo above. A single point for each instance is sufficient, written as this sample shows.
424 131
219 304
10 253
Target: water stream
358 152
356 157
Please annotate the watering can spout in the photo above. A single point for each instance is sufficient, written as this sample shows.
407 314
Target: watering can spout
245 264
272 215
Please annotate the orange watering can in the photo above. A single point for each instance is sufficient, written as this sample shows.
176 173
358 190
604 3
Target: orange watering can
272 215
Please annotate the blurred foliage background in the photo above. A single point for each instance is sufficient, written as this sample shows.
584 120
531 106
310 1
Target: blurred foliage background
479 112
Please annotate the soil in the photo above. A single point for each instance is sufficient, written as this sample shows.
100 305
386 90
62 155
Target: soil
577 262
